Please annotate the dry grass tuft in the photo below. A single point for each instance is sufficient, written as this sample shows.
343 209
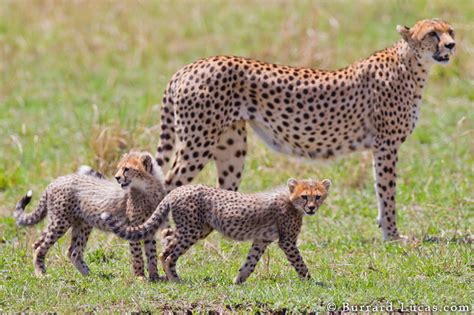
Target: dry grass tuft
108 142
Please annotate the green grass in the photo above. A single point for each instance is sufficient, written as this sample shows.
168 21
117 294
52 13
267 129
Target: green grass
79 84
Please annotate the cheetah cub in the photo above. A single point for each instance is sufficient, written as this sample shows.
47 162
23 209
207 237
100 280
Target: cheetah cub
77 201
261 217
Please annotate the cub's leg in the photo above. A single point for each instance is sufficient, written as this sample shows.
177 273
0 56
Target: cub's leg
254 255
79 237
150 252
293 255
168 238
137 259
385 182
40 240
229 155
175 249
53 232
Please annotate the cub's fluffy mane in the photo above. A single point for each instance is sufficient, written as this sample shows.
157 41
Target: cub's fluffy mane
100 191
157 171
279 191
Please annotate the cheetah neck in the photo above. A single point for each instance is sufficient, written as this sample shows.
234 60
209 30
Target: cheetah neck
150 191
278 198
417 70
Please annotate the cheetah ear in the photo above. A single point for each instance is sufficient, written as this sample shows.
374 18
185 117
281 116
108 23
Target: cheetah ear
326 183
404 31
292 184
147 163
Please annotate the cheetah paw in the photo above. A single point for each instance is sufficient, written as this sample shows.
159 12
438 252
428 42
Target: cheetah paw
404 239
157 278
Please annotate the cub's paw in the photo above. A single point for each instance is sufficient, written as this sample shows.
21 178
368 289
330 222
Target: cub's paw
238 280
404 240
157 278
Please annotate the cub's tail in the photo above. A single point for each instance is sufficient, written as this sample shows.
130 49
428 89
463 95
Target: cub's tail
23 218
157 221
87 170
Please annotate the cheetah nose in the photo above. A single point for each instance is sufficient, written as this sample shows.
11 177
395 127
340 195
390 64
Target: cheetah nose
117 178
450 45
311 208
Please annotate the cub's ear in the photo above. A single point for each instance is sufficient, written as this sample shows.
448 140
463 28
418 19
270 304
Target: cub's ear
147 163
326 183
404 31
292 184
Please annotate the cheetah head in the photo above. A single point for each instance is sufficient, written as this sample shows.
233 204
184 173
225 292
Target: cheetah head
135 168
431 40
308 195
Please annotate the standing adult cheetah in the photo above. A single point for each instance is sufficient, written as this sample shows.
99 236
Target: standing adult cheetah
371 105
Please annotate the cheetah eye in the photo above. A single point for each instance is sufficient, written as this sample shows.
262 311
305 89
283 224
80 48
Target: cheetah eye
317 197
305 197
433 34
126 169
451 33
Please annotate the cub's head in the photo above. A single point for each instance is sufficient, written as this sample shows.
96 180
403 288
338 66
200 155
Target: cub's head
308 195
432 40
136 168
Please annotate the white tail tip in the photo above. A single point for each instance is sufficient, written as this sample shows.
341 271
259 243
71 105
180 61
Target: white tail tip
29 193
84 170
105 215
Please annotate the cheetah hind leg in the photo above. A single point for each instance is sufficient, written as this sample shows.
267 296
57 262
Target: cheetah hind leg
79 237
188 162
171 254
52 233
229 155
168 242
40 240
167 236
254 255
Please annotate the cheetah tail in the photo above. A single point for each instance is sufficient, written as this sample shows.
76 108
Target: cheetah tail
167 132
23 218
158 221
87 170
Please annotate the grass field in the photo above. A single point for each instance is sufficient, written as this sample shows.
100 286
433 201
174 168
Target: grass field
81 82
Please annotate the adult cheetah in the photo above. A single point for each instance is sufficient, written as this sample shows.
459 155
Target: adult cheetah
370 105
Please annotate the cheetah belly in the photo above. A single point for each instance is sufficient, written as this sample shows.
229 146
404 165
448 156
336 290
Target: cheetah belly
270 139
312 144
246 231
242 223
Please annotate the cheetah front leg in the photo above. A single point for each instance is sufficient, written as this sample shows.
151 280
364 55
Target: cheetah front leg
293 255
151 260
229 155
385 183
254 255
137 259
